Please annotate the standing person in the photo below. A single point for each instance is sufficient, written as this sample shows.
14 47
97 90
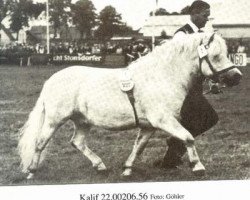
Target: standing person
197 115
241 48
199 13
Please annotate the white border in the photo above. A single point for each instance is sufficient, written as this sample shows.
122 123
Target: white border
195 190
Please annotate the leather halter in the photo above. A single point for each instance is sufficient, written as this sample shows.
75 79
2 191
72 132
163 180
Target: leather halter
216 73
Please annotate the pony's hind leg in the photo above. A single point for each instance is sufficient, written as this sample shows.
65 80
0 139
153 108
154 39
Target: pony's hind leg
79 142
175 129
47 131
143 135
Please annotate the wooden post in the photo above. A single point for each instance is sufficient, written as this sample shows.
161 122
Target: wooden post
21 62
28 62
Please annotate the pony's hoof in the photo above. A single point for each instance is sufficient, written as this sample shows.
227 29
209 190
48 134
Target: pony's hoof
30 176
103 172
101 167
200 172
199 169
127 173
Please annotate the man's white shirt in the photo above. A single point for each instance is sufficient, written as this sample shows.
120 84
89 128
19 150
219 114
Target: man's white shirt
180 34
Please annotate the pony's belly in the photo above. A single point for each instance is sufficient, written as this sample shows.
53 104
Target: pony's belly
119 122
112 121
111 116
117 119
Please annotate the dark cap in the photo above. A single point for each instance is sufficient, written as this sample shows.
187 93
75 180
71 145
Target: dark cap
198 6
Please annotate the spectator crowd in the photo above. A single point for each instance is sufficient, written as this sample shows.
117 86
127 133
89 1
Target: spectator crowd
238 46
132 50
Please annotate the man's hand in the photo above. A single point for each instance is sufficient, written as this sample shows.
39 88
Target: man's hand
214 89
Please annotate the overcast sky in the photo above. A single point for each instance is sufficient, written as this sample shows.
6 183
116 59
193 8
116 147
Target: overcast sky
135 12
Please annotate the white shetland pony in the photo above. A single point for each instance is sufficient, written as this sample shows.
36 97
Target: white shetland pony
92 97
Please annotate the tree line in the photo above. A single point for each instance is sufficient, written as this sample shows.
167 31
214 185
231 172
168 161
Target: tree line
163 11
62 13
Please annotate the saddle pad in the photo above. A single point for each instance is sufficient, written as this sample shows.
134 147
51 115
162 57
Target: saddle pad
126 80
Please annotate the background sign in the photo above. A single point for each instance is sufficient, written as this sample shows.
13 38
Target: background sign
239 59
78 58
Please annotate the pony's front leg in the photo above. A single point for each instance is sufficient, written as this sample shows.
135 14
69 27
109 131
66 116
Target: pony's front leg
141 141
175 129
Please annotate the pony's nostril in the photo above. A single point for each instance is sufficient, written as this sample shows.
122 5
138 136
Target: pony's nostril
237 77
233 80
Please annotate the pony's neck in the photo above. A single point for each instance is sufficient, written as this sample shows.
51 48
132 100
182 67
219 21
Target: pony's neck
175 63
191 75
182 66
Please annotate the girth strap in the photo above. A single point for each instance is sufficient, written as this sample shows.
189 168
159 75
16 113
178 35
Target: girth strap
132 102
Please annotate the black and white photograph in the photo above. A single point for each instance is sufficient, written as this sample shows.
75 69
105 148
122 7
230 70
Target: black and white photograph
134 94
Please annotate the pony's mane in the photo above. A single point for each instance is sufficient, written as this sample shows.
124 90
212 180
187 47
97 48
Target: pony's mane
171 49
175 48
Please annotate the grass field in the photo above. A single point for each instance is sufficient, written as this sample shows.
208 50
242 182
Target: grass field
224 150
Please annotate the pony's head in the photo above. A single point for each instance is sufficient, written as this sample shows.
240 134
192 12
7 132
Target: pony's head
214 63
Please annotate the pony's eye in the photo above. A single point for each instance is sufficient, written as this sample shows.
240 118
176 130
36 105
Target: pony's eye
216 58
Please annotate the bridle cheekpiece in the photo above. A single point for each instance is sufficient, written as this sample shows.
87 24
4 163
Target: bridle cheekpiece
203 55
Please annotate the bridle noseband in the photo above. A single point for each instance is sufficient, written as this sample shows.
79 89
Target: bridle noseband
216 74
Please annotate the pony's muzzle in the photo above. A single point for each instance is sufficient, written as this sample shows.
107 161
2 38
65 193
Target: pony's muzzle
232 77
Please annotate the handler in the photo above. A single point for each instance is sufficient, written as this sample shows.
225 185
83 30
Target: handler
197 115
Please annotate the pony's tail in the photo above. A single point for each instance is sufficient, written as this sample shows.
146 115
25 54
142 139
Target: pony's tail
29 134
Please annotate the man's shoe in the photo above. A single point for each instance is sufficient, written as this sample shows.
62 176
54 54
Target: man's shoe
173 156
168 163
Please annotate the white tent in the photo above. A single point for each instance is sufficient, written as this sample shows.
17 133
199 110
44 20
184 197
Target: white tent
231 18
